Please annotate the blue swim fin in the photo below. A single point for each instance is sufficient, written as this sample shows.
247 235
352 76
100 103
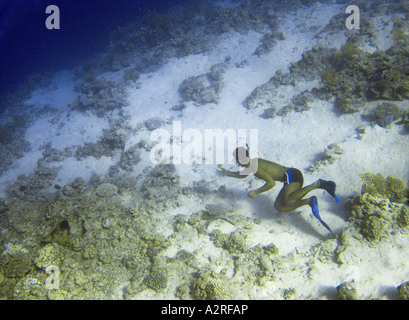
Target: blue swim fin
314 206
330 187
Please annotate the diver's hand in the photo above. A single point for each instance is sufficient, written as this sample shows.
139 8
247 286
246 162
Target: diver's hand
252 194
222 172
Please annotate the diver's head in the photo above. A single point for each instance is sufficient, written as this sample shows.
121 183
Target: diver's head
242 156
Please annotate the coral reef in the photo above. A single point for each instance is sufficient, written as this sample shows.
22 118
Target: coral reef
208 287
233 243
3 205
99 95
49 255
12 142
130 158
386 113
76 232
268 42
160 189
105 249
220 208
106 190
153 123
377 210
120 237
378 185
157 279
350 74
205 88
157 37
15 261
331 154
347 291
111 141
403 290
355 77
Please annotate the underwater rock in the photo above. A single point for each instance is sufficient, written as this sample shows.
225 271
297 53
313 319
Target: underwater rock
12 143
29 289
160 176
182 292
111 141
312 63
106 190
404 121
131 75
372 228
157 279
179 107
108 223
266 265
153 123
269 113
77 243
367 76
161 189
328 157
99 95
387 112
3 205
325 251
89 232
377 185
68 191
50 155
32 187
403 290
347 291
130 158
48 256
205 88
270 249
208 288
218 209
261 97
265 96
301 102
78 183
234 242
378 210
199 89
268 42
15 261
403 217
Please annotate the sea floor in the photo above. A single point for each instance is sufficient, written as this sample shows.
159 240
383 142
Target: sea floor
86 188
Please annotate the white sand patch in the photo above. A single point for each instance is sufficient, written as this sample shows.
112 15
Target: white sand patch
85 168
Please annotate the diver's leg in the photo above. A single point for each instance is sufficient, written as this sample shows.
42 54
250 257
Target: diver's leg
293 190
282 204
286 201
300 193
328 186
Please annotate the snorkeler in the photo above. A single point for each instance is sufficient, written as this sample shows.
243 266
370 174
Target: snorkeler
292 194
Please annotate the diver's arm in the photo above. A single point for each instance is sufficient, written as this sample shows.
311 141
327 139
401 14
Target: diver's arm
233 174
267 186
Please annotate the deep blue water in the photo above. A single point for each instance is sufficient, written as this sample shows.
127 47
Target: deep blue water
27 46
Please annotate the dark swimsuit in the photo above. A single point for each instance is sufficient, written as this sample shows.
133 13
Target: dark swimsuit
293 175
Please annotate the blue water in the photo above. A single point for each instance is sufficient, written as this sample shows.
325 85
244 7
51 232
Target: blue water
27 46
